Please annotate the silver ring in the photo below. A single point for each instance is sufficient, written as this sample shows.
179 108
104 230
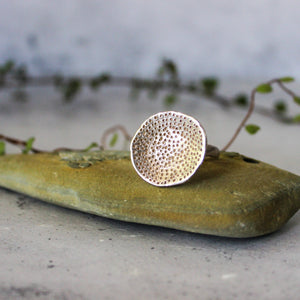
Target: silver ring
168 148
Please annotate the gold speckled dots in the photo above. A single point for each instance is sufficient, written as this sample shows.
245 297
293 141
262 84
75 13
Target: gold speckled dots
168 148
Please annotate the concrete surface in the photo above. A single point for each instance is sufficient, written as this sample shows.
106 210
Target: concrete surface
48 252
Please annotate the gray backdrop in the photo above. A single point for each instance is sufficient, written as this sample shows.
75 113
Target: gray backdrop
244 39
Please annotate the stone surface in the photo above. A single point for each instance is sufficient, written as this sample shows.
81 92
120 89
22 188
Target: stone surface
233 196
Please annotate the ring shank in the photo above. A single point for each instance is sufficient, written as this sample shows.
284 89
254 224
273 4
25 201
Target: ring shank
212 151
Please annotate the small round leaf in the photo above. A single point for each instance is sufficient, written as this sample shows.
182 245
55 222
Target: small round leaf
2 148
170 100
209 85
287 79
252 128
297 99
280 106
264 88
296 119
241 100
92 145
113 140
28 146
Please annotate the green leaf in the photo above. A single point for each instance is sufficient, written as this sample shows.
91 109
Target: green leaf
91 146
241 100
97 81
209 85
28 146
287 79
264 88
296 119
170 100
21 75
7 67
2 148
252 128
280 106
169 68
71 89
297 99
113 140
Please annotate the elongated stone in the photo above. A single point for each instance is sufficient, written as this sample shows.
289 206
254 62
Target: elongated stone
233 196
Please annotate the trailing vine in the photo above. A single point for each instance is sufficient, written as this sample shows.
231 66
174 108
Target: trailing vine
27 145
16 78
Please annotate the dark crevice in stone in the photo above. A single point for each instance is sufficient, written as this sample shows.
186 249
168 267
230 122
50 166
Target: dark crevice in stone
250 160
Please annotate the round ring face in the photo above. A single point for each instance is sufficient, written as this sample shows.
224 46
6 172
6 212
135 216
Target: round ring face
168 148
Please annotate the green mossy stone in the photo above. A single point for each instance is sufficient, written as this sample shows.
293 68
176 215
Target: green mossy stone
233 196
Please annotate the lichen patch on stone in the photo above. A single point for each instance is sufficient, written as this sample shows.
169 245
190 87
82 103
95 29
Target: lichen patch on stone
78 160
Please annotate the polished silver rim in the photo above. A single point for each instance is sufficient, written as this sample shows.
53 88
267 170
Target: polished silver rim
168 148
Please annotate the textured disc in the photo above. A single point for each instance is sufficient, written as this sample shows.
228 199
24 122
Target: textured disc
168 148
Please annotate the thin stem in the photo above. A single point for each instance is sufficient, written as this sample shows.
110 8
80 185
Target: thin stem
19 143
144 83
22 143
284 88
112 130
251 108
249 112
123 130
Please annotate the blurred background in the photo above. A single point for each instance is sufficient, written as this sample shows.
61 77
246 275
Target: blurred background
238 44
238 39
